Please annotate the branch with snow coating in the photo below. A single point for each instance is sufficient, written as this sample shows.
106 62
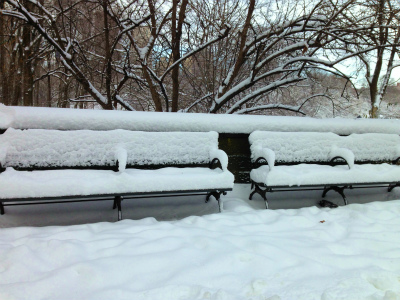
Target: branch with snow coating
222 34
295 109
47 25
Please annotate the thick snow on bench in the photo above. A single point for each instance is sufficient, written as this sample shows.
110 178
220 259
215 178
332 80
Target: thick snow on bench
75 119
318 146
53 148
7 116
54 183
311 174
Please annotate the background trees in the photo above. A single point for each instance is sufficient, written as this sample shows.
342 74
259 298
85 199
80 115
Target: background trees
226 56
383 38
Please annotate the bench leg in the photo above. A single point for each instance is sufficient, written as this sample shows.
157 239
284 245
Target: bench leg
1 208
217 196
392 186
339 190
117 204
260 191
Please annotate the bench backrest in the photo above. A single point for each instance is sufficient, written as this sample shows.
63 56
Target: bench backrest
308 147
37 148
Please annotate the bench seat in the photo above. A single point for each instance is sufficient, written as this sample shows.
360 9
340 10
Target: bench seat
69 182
313 174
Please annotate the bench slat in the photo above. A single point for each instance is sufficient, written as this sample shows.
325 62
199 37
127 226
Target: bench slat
313 174
290 147
36 148
57 183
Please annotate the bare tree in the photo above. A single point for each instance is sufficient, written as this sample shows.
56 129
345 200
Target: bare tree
228 56
384 38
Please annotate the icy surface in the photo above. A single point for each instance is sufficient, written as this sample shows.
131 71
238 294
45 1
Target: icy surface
310 174
22 184
44 148
348 253
316 146
61 118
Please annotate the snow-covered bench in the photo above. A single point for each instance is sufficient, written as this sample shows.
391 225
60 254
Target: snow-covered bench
314 160
50 165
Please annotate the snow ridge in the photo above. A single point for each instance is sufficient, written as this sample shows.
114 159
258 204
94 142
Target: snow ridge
74 119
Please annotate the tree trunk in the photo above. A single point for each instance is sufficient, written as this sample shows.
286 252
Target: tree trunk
176 32
154 94
109 105
4 96
27 65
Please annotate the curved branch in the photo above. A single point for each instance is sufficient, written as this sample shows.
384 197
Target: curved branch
295 109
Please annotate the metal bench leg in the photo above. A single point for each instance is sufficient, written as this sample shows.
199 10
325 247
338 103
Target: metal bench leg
261 192
392 186
1 208
339 190
217 196
117 204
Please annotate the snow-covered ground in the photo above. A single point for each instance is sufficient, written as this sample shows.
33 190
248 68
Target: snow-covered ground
294 250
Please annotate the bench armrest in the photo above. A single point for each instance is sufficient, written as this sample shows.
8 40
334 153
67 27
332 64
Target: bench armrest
344 153
121 157
220 156
265 154
3 154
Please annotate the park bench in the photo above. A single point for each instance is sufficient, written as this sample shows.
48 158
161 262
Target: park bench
51 166
288 161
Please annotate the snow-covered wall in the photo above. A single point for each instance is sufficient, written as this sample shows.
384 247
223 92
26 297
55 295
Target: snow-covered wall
73 119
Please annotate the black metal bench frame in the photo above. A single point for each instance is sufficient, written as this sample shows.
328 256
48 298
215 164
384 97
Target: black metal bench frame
262 189
118 197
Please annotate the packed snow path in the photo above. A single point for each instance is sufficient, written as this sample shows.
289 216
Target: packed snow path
347 253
